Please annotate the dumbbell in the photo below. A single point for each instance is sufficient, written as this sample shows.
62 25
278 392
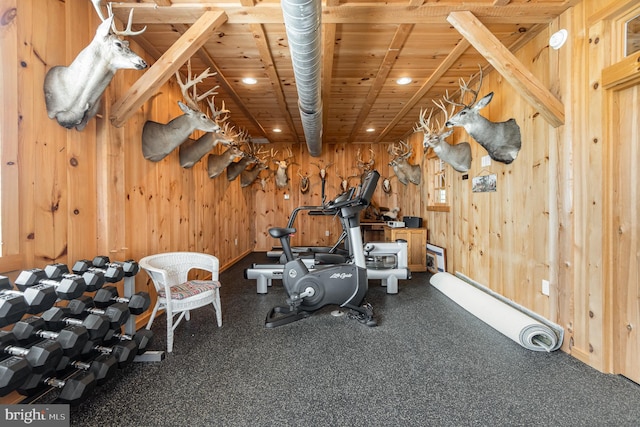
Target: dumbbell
58 317
40 356
93 279
71 338
137 303
123 351
117 313
130 267
66 287
13 371
103 366
142 338
14 304
112 273
22 361
74 389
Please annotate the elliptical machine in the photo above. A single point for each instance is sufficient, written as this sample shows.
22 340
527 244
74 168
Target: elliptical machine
342 284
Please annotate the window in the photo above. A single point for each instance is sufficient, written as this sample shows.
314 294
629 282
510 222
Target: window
437 185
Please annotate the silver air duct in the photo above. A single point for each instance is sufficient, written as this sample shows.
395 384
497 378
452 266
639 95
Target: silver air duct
302 22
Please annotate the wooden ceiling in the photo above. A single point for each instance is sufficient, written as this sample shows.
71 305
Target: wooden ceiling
366 47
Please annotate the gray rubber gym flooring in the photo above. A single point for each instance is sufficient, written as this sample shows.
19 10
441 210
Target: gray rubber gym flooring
428 363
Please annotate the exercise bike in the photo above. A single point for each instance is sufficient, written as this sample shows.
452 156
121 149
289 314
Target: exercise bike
344 285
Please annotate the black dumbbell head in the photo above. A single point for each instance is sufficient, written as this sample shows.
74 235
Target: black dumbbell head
72 339
39 298
118 314
26 329
142 339
13 372
105 297
139 302
12 308
77 388
28 278
81 266
70 287
104 367
56 271
94 280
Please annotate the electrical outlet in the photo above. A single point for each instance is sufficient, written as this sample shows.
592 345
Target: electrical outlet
545 287
286 197
236 241
485 161
327 233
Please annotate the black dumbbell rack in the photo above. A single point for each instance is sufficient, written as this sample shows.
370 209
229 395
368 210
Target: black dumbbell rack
130 326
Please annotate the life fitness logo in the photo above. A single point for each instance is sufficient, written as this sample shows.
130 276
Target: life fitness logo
341 275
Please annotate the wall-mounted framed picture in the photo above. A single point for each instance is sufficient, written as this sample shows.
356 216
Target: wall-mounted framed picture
441 257
432 262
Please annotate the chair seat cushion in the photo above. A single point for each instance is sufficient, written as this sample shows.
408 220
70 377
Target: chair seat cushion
190 288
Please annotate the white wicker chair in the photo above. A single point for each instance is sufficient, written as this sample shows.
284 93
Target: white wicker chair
176 294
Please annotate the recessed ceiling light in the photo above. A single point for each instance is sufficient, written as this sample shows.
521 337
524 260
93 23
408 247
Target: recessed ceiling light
249 81
277 130
404 80
370 129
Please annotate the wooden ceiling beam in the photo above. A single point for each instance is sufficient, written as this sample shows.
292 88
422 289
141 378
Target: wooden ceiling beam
267 59
371 13
399 38
453 56
505 62
166 66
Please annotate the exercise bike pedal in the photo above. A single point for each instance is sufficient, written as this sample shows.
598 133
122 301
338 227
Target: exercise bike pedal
281 315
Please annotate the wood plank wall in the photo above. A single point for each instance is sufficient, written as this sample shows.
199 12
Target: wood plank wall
272 209
92 193
546 219
88 193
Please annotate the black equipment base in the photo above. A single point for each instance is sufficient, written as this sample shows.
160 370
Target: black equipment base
281 315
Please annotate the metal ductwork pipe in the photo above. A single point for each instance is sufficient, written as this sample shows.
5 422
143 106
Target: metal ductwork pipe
302 22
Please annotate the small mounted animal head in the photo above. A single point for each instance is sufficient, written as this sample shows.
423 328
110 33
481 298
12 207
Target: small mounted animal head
322 168
304 182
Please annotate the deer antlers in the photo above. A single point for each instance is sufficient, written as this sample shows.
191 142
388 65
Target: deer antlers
464 89
192 99
125 32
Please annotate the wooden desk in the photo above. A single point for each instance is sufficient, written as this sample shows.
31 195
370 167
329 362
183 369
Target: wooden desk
372 231
416 245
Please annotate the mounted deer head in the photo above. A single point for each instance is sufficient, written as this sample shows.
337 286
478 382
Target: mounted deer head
386 185
322 168
192 150
250 158
500 139
304 182
344 182
365 167
217 163
72 94
281 173
249 176
405 171
458 155
158 140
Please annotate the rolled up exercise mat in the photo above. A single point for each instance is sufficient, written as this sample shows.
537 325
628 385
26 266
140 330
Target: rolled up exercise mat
522 325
